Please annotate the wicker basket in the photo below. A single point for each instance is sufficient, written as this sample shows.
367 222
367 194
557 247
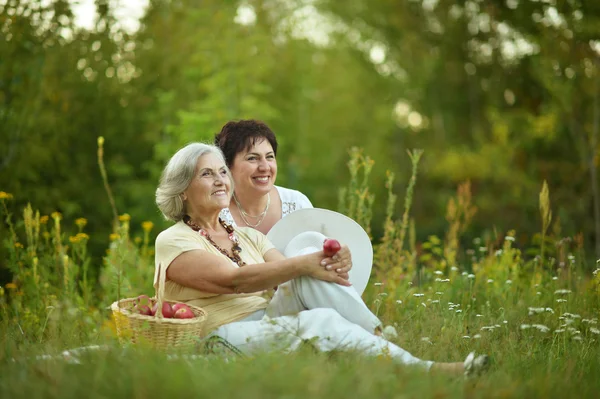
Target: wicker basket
157 331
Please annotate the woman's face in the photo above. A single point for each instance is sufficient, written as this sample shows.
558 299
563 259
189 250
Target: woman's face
210 189
255 169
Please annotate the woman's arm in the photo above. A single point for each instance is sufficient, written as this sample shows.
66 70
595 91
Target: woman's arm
212 273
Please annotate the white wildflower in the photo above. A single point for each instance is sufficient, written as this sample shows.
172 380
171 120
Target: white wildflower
554 278
538 293
471 276
577 338
541 327
476 336
560 330
378 284
562 292
438 293
490 280
399 301
458 311
533 311
478 315
438 272
466 337
483 249
423 303
435 301
498 252
572 315
464 273
594 330
509 238
525 326
426 339
509 282
550 310
454 268
418 295
505 322
561 300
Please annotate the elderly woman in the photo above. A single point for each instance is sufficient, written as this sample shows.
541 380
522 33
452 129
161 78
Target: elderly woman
226 270
250 149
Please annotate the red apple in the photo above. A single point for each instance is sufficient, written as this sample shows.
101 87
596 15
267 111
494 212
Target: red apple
178 306
167 310
184 313
144 309
331 247
143 300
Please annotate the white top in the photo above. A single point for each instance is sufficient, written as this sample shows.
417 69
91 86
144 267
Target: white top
291 200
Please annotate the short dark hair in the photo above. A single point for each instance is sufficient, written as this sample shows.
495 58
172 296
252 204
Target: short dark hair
236 136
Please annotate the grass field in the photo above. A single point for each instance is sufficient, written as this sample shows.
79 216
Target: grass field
534 310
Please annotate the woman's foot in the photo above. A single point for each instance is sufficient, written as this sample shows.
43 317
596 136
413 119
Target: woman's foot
474 365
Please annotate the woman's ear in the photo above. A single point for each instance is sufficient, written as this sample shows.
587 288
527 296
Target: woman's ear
183 197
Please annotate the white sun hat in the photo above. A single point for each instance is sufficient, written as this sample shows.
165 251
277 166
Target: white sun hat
303 231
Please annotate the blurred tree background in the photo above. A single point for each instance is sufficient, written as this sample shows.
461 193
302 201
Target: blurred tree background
504 94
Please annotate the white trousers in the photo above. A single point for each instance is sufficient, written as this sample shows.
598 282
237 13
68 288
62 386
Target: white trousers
328 315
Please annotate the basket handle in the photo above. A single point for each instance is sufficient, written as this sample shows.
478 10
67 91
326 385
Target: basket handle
160 291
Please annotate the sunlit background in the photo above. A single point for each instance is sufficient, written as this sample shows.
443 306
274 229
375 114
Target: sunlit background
501 97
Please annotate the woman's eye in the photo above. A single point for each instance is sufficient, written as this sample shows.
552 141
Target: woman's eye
223 172
206 173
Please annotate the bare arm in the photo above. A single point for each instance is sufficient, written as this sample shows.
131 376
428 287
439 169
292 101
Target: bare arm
208 272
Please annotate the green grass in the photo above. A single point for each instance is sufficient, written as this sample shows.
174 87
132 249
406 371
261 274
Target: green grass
534 312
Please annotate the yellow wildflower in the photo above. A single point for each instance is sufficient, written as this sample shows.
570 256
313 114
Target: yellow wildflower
100 141
56 215
18 245
114 236
83 236
46 235
1 291
137 240
147 226
4 195
74 239
81 222
44 219
19 293
125 217
11 286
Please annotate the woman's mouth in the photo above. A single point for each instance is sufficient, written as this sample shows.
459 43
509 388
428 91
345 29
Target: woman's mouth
261 179
220 193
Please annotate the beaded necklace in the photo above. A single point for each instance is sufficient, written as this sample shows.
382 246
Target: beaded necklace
235 250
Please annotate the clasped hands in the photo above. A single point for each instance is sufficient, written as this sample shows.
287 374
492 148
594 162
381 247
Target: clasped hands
340 262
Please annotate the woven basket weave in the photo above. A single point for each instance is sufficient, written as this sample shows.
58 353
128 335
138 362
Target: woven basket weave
157 331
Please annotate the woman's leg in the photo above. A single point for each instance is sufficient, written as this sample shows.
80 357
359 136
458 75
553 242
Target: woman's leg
326 329
307 293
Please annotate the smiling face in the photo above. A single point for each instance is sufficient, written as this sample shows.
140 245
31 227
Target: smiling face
255 169
210 189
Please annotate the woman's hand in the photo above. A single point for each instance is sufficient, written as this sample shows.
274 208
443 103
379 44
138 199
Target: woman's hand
341 262
316 270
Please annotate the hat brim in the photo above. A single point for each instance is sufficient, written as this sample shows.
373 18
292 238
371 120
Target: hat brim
332 225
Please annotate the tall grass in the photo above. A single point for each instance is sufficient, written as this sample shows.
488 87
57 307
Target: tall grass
533 307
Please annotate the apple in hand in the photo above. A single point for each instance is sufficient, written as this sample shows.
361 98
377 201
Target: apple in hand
167 310
184 313
331 247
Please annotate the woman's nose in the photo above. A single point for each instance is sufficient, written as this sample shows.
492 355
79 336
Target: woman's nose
263 164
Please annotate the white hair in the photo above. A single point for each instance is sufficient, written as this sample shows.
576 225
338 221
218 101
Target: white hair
177 176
